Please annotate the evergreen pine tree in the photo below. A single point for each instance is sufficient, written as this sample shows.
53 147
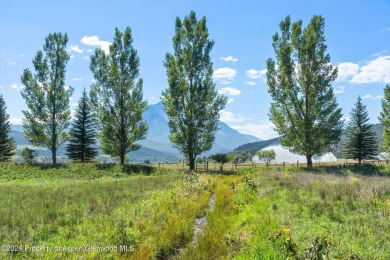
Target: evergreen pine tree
7 145
82 133
385 119
360 142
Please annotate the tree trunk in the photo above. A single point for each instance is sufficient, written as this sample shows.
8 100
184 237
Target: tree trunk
54 155
360 160
122 158
309 161
192 163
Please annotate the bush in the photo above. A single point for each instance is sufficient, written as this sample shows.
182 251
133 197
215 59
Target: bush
28 155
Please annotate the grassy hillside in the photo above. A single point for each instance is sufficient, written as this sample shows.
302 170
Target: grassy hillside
108 211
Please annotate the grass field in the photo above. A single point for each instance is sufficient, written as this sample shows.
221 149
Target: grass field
137 212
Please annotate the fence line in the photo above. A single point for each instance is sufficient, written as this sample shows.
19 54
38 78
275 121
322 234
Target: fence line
211 166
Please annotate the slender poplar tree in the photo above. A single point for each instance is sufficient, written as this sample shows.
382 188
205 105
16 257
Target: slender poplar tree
118 96
47 97
385 119
360 141
191 101
83 132
7 144
304 109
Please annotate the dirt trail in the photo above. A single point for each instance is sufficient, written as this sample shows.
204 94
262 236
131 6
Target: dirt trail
199 226
200 223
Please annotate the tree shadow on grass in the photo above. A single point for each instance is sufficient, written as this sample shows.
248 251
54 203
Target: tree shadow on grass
48 166
362 169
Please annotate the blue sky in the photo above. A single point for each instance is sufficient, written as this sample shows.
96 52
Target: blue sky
357 33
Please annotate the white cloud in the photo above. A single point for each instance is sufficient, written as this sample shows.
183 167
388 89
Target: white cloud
255 74
229 117
77 79
95 41
229 91
372 97
229 58
225 82
21 55
250 83
10 62
89 50
386 29
73 113
224 74
153 100
66 87
16 86
74 104
230 100
86 57
75 48
15 121
263 130
376 71
339 90
380 53
346 70
71 56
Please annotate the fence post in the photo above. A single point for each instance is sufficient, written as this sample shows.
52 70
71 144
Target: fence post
284 164
207 166
297 163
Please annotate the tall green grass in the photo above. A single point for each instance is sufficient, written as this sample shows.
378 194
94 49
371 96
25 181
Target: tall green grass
258 213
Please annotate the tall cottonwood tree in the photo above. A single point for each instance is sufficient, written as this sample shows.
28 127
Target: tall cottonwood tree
360 141
304 109
83 132
190 100
385 119
47 97
7 144
118 96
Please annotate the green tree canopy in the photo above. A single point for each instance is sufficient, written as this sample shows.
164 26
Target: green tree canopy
221 158
118 96
360 141
83 132
28 155
266 155
7 144
385 119
191 101
47 97
304 108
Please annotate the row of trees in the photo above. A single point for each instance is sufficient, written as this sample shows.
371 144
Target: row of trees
112 111
304 110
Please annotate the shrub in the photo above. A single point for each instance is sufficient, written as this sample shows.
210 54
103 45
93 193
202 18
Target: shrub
28 155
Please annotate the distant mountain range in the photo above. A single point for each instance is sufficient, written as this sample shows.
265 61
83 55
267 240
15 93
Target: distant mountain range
156 146
252 148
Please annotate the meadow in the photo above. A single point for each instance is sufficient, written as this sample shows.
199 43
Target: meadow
90 211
